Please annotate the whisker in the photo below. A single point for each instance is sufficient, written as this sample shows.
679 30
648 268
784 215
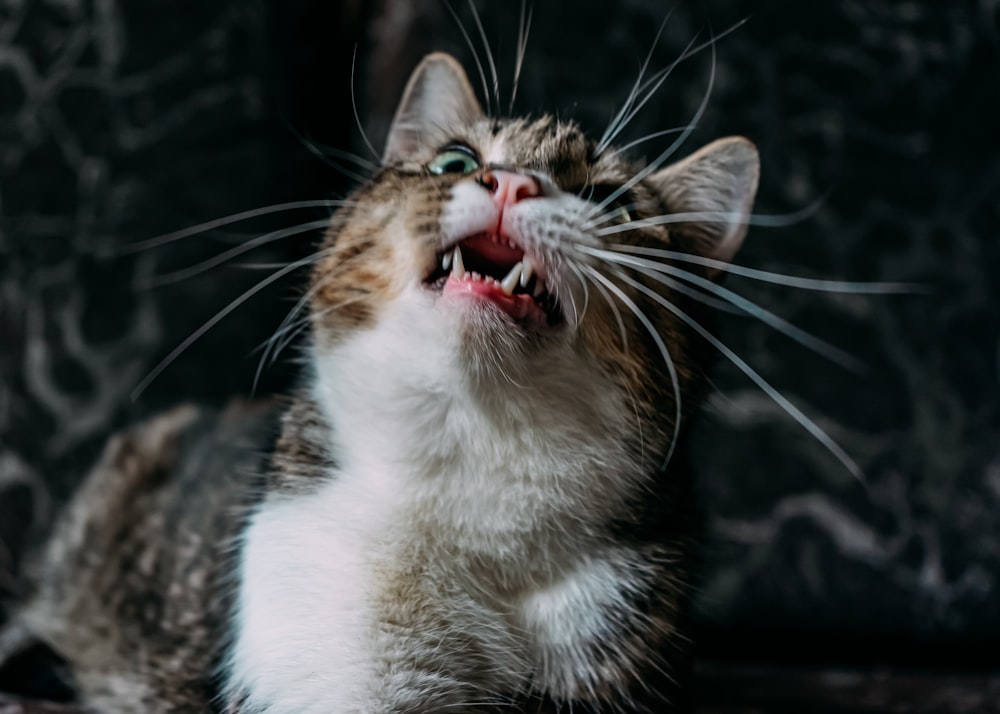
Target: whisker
605 217
614 311
215 261
613 126
779 220
523 27
653 83
475 55
705 299
586 291
228 220
643 139
324 154
792 281
300 303
218 317
804 421
290 329
286 324
668 360
652 269
669 151
354 107
489 52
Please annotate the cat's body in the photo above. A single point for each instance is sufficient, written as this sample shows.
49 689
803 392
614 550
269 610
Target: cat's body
477 501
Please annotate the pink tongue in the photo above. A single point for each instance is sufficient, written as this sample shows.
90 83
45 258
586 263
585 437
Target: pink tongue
489 250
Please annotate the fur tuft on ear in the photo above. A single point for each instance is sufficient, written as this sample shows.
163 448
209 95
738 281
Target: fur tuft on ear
720 178
438 95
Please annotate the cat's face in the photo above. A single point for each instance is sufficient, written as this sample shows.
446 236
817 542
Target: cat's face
488 235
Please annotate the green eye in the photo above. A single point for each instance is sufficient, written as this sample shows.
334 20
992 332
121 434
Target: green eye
454 160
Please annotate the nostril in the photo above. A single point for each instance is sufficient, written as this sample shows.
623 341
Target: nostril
528 189
489 182
509 187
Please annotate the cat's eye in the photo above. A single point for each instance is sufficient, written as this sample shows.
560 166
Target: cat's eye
454 160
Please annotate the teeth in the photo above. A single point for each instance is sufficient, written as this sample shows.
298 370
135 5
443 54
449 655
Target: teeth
539 289
457 266
527 270
446 260
510 282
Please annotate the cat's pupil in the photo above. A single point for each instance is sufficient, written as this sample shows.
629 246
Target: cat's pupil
454 160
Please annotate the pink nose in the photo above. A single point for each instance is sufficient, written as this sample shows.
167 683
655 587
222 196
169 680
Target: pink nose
508 187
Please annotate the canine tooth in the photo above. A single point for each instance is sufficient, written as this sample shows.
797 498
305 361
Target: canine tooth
527 270
510 282
446 261
457 266
539 289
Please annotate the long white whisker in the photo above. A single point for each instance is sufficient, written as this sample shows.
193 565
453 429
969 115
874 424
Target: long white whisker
689 51
643 139
228 220
286 333
614 126
324 152
808 424
272 346
652 269
792 281
731 217
475 55
523 28
607 216
586 291
614 311
653 84
215 261
655 164
354 108
324 155
218 317
668 360
489 52
656 81
621 331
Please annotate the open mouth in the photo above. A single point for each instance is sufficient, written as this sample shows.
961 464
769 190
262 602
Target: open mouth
495 269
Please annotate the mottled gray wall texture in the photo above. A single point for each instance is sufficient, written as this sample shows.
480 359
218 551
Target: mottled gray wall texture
124 120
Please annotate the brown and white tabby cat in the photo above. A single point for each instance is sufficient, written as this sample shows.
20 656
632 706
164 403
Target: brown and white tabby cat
477 501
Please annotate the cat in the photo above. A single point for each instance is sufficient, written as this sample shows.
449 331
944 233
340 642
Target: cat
478 498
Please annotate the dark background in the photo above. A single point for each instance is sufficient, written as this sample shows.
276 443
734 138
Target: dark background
121 121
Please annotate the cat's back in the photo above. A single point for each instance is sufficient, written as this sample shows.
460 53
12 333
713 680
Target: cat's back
132 587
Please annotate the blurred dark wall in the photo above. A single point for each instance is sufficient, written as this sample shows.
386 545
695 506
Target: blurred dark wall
122 121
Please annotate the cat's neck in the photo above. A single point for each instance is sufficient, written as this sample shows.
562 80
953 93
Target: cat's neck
470 458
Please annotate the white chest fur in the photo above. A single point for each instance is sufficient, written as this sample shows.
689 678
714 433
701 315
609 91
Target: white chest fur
444 560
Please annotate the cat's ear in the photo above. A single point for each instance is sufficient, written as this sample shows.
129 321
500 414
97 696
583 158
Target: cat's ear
721 179
438 95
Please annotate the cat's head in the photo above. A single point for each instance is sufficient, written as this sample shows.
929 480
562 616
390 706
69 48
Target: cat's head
492 237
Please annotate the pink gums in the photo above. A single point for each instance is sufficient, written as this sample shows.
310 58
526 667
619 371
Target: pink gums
522 308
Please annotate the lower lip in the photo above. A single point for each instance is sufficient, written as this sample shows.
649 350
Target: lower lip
520 307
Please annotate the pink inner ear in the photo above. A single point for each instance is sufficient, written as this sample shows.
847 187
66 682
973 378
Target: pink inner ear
437 95
720 178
